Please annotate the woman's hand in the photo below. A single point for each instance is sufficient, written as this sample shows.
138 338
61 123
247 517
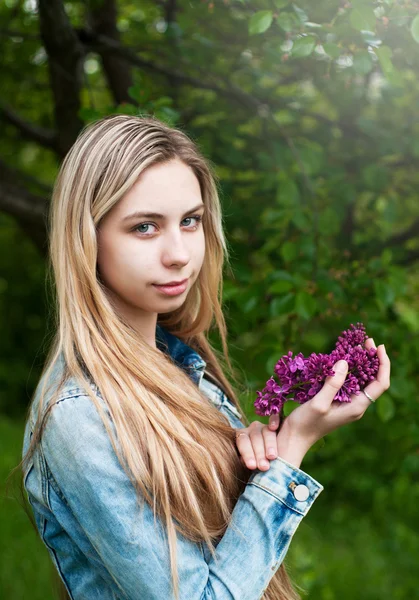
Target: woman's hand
315 418
258 443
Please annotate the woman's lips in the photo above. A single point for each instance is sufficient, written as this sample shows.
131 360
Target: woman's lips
172 290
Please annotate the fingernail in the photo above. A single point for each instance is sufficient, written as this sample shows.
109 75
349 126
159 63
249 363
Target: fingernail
341 366
373 343
271 452
251 463
264 463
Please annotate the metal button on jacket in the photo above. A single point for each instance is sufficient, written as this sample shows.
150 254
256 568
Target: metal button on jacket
301 492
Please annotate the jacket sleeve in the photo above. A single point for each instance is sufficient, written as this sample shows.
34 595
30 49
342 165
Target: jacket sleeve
82 462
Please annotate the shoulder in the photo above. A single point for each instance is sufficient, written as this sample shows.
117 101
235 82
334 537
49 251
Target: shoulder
58 389
78 434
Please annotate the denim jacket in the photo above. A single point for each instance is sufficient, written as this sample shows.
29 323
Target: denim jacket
86 510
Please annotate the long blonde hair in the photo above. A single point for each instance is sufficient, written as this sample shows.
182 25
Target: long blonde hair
177 448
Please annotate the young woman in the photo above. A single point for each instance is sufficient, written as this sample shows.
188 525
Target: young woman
138 484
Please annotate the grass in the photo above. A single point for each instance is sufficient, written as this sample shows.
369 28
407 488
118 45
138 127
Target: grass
25 567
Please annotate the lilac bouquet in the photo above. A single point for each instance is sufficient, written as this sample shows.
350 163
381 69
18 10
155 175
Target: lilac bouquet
300 378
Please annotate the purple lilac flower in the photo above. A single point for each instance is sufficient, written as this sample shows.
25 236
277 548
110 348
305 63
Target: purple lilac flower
300 378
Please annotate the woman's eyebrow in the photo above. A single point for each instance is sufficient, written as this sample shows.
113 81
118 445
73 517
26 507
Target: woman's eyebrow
151 215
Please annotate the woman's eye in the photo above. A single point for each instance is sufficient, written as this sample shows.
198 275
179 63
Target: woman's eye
198 219
143 225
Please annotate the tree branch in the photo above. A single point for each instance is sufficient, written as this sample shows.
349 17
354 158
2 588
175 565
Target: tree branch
44 137
404 236
410 258
103 18
171 10
29 209
395 241
101 43
20 34
65 54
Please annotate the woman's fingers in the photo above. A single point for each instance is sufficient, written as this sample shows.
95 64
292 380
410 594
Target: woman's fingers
273 422
257 444
322 401
360 403
382 382
369 343
271 448
245 448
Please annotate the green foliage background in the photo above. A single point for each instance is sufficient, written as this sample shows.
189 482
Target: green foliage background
309 113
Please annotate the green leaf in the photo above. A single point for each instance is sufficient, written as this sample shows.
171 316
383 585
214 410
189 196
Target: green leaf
395 78
384 54
301 220
260 21
311 154
305 305
162 101
127 109
399 15
303 46
384 292
283 276
332 50
362 62
328 222
281 3
375 176
282 306
408 315
385 408
414 28
285 117
288 251
300 13
387 256
279 287
229 290
89 114
250 304
287 21
363 18
135 91
288 193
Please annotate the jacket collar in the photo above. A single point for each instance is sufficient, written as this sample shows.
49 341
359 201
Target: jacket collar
182 354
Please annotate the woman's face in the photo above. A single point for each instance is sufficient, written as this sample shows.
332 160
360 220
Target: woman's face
137 252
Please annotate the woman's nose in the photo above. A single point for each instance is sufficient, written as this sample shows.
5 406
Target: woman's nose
176 250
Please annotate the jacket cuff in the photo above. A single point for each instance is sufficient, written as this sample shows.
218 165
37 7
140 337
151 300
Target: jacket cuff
288 484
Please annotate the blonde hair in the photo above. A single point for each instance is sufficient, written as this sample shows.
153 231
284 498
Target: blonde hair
177 448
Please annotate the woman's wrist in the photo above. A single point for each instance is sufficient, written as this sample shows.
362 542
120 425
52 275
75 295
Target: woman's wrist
289 447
